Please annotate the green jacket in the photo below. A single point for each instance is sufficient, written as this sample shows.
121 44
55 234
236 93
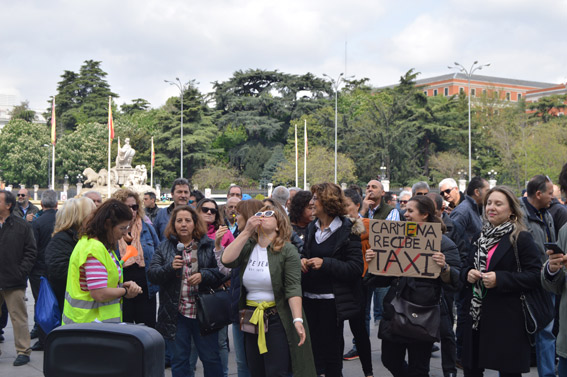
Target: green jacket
285 272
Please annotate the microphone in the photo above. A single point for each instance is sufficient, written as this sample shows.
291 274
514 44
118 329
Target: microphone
180 248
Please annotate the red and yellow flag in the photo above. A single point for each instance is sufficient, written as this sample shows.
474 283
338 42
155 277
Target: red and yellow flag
153 153
110 121
53 124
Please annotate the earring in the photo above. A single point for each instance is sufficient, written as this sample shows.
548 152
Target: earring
513 217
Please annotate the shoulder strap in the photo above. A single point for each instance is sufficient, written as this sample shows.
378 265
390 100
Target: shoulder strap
515 244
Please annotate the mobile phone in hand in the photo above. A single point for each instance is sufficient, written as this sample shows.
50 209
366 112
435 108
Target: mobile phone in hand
553 246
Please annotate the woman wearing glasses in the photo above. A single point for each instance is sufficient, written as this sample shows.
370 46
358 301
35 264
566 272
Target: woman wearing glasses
143 237
271 288
183 265
94 281
209 212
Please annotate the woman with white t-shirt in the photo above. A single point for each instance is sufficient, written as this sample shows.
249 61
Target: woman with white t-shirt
271 289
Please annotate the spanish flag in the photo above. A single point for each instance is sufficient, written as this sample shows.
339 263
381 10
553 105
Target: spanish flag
53 124
110 122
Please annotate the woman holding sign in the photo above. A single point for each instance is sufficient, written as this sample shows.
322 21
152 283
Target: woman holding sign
497 338
396 340
332 268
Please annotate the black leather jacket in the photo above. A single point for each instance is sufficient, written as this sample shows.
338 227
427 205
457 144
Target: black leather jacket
162 273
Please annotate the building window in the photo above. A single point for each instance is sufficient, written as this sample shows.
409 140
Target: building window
434 92
425 93
496 94
484 92
473 92
446 90
508 96
519 96
461 90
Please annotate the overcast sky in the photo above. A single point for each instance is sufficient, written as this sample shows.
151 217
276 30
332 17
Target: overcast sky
143 42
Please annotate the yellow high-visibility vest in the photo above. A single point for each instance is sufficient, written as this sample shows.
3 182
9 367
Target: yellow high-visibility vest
79 305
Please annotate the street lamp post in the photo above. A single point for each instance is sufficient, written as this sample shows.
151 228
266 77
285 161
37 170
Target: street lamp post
335 85
180 86
469 73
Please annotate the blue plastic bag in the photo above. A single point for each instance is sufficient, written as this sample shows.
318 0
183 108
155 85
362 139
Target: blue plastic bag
47 312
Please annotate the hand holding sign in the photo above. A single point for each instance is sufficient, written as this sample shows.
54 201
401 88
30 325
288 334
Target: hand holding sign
405 248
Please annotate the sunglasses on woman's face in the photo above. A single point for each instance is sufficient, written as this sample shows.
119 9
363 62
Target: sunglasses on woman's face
210 210
134 207
265 214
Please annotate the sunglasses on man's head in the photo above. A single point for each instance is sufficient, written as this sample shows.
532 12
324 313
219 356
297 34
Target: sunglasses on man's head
265 214
210 210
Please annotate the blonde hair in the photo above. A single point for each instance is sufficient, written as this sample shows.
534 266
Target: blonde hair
73 213
283 233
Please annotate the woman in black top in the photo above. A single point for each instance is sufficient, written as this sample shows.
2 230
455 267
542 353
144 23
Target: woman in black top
332 269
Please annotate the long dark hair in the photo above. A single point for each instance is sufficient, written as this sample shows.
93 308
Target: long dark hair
199 230
217 223
426 206
110 213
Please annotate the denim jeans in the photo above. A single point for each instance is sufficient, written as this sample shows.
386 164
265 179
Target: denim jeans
207 348
238 344
545 350
223 351
562 367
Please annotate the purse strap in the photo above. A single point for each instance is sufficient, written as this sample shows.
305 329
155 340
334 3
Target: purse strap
515 245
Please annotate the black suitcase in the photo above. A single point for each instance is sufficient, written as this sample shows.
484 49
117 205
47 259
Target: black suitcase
104 349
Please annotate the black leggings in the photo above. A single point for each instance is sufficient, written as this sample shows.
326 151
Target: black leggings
419 356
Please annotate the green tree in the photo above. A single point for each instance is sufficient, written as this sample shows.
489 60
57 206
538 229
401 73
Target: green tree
23 111
320 168
546 107
138 105
82 97
24 160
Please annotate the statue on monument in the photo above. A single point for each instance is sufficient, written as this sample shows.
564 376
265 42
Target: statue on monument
125 155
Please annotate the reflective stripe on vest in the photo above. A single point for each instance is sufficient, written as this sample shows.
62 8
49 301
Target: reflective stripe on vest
79 306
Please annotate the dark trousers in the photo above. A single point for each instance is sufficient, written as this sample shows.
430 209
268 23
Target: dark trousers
35 282
3 318
461 322
419 355
326 335
479 372
361 337
448 343
277 361
140 309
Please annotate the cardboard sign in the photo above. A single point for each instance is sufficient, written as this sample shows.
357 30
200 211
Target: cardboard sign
404 248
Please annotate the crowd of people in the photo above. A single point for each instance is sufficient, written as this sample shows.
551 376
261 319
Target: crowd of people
296 266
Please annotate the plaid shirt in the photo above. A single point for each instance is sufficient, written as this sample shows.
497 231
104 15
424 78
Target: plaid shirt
187 305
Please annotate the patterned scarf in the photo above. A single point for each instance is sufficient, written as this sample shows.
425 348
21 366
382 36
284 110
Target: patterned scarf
135 231
489 237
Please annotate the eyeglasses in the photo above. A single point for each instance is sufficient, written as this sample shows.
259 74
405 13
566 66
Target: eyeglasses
447 192
134 207
210 210
191 201
265 214
124 229
420 193
403 201
22 195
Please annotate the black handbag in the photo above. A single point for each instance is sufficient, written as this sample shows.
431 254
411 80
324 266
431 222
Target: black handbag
213 310
536 304
410 322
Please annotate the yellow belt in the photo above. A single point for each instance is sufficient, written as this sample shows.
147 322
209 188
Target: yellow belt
258 319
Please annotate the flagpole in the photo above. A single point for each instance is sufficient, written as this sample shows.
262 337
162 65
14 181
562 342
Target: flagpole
296 158
305 159
152 165
53 138
109 143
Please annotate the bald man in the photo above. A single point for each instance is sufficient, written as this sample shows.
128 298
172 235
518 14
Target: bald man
373 206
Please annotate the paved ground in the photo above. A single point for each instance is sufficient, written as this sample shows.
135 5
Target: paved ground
350 368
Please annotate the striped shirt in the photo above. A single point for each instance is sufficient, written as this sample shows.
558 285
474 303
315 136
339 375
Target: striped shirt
93 274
